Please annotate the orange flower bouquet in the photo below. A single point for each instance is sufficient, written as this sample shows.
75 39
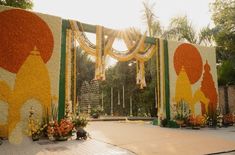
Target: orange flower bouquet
228 119
201 120
63 129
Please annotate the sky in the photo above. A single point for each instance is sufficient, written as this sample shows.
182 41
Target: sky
121 14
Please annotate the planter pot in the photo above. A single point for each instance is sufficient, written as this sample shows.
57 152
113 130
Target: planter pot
196 128
51 138
81 133
95 115
180 122
35 137
62 138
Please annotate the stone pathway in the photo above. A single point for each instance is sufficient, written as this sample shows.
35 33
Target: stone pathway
72 147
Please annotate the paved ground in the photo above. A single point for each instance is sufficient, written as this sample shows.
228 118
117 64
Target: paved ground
71 147
129 138
146 139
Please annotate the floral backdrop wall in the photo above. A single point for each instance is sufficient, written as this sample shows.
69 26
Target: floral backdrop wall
193 77
29 67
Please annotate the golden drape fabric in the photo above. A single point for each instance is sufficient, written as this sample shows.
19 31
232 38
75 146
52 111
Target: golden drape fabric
137 49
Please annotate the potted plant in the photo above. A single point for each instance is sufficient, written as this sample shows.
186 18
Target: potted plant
96 112
179 120
80 123
181 112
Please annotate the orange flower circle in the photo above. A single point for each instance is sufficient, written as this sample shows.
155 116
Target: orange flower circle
188 56
20 32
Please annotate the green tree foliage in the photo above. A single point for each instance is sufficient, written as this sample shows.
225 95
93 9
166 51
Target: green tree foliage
224 20
206 36
181 29
124 73
224 35
226 73
85 69
24 4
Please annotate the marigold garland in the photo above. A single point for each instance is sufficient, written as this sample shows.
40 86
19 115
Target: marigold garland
133 40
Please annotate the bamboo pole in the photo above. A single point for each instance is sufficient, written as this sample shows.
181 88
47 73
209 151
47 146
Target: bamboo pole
111 109
156 97
74 79
123 96
131 106
119 98
102 100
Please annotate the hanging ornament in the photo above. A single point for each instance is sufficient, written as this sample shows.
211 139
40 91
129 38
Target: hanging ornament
140 77
99 51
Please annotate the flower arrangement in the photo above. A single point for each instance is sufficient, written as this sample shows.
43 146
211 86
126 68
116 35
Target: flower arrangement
181 112
201 120
50 130
191 121
35 127
228 119
197 121
60 130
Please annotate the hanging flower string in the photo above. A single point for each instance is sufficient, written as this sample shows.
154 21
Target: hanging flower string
137 49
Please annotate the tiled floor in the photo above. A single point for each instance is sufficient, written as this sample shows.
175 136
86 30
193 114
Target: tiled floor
72 147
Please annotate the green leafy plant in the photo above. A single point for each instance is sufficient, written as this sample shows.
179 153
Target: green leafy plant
96 112
79 121
181 110
169 123
164 122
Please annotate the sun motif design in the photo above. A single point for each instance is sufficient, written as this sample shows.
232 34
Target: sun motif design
22 31
187 56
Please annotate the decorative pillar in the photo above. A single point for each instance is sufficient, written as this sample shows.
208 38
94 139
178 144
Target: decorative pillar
74 78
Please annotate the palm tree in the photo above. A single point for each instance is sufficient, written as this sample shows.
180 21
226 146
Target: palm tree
181 29
153 24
